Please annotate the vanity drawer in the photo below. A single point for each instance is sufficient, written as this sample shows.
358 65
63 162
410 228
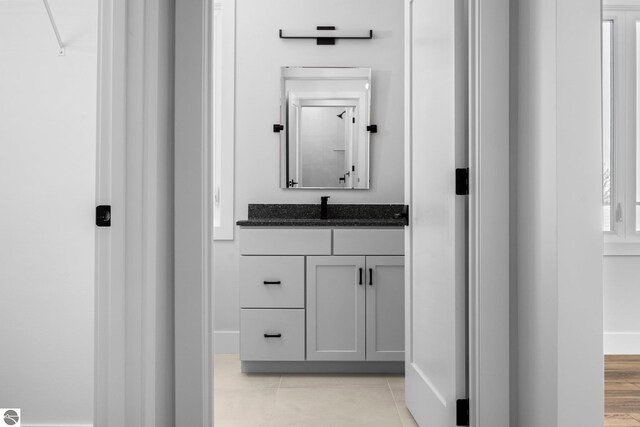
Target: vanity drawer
284 330
285 241
368 241
272 282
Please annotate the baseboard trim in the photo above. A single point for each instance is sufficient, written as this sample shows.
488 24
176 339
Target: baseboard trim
295 367
226 341
622 343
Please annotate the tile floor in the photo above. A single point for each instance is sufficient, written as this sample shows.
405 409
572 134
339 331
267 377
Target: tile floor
300 400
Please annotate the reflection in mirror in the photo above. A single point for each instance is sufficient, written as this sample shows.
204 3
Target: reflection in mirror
325 142
322 156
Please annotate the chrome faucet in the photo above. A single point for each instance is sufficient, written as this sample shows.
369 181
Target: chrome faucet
323 207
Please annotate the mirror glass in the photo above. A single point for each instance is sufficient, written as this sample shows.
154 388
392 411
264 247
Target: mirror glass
325 114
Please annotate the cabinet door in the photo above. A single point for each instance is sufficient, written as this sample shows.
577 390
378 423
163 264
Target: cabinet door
385 308
335 308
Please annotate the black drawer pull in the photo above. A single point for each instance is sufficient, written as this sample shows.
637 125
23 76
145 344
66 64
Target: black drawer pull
371 277
360 283
277 282
272 335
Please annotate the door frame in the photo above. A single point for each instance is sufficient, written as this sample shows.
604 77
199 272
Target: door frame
110 311
116 300
488 243
489 327
134 374
193 217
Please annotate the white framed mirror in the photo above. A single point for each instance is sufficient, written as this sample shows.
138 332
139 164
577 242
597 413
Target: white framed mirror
325 114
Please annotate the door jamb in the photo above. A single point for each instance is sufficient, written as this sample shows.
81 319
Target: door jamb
489 330
109 343
193 217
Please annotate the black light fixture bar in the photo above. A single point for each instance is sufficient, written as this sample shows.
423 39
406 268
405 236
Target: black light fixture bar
330 38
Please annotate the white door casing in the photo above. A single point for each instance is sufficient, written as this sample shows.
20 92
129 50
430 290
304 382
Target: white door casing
193 218
489 214
134 376
110 314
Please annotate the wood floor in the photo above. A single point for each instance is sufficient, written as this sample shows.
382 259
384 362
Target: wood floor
622 391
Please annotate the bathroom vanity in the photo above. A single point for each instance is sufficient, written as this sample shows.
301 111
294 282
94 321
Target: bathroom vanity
322 286
322 295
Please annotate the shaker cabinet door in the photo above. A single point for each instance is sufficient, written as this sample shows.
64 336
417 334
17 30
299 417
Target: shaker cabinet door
336 307
385 308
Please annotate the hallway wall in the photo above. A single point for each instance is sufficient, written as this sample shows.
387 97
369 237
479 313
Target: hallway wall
47 209
558 239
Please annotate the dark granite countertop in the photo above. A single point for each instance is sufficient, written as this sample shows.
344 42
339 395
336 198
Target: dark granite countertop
308 215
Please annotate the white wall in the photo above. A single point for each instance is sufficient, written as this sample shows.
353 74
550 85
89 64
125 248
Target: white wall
558 194
621 296
259 56
47 171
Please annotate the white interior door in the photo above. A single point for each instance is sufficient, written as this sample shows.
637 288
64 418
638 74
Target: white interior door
436 246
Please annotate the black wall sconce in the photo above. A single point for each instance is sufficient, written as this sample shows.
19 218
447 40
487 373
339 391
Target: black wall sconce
330 37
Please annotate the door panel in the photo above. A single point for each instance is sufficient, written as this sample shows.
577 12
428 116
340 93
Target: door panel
436 320
385 308
335 308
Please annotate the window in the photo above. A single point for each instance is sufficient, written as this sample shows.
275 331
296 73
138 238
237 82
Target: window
222 107
636 203
620 125
607 131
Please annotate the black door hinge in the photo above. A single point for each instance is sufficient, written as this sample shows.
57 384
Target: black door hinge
278 127
462 181
372 128
462 412
103 216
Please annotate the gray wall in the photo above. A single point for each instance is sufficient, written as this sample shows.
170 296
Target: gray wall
259 56
557 195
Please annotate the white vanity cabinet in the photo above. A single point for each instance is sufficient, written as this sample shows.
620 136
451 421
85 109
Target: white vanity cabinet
355 308
321 294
